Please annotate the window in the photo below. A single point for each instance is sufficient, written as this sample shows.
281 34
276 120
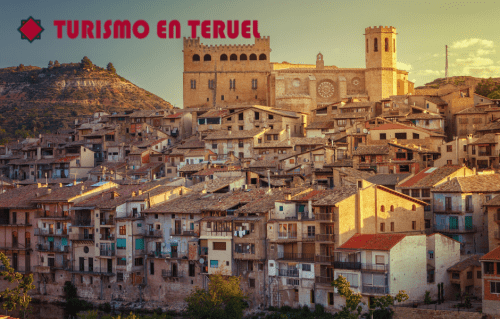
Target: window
262 57
251 282
392 226
223 57
214 146
240 127
281 208
259 140
382 227
196 58
415 193
383 136
489 268
292 161
426 192
478 274
312 291
455 275
382 208
375 45
232 84
469 275
416 136
447 201
219 245
191 270
427 223
214 264
211 84
379 259
222 97
311 231
366 52
207 57
449 148
119 276
341 122
233 57
271 117
495 287
400 136
254 84
139 262
431 254
256 115
414 225
386 45
330 298
193 84
468 203
406 192
123 230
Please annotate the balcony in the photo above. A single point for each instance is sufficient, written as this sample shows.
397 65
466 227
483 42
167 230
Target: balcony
326 217
91 271
16 246
288 272
82 223
105 236
287 235
308 237
325 238
203 251
171 274
55 216
50 232
455 229
324 280
52 249
296 256
107 253
484 153
158 254
153 233
82 237
347 265
107 222
323 259
375 290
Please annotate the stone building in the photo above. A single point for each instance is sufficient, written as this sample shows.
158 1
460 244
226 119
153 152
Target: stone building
229 74
490 265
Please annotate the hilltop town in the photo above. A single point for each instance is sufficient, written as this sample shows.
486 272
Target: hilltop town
287 175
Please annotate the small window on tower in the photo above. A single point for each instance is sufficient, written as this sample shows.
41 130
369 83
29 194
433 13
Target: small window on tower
386 45
375 45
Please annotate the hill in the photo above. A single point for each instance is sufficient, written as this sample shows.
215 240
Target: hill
34 99
469 81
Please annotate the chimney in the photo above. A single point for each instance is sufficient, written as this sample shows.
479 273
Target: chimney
60 185
49 191
288 131
288 196
139 193
133 194
39 185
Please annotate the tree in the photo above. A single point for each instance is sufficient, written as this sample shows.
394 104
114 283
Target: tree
352 308
223 299
56 64
111 68
20 67
51 63
86 64
17 297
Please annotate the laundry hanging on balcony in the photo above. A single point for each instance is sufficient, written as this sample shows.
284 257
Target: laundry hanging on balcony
50 239
64 241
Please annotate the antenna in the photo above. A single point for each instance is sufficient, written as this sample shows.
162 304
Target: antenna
446 66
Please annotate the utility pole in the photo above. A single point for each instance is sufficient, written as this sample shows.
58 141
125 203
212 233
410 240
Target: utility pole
446 66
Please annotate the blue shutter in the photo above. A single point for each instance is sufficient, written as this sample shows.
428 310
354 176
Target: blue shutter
121 243
139 243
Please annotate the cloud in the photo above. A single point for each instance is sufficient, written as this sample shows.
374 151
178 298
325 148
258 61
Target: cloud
473 61
484 52
403 66
484 72
472 42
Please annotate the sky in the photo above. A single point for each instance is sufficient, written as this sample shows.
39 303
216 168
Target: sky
298 30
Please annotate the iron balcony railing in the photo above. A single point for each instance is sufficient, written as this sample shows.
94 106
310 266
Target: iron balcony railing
347 265
324 280
288 272
287 235
82 223
49 215
325 237
107 222
50 232
107 252
171 274
308 236
296 256
328 217
153 233
84 237
323 259
54 248
375 290
455 229
244 250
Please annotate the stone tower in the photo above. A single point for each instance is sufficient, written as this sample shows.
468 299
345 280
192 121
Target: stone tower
381 72
320 63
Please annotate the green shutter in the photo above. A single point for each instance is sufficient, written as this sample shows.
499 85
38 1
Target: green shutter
121 243
468 222
301 208
453 222
64 241
139 243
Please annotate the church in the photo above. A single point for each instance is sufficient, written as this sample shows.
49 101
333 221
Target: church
222 75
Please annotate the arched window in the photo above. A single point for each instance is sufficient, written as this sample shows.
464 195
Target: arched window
262 57
392 208
366 45
233 57
243 57
207 57
223 57
375 45
386 45
196 57
253 57
382 208
414 207
394 44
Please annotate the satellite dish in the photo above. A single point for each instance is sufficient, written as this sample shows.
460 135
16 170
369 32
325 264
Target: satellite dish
202 261
365 131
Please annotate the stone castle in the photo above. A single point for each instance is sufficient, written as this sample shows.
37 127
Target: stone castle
221 75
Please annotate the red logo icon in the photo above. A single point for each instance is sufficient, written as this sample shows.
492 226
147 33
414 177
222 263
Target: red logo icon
30 29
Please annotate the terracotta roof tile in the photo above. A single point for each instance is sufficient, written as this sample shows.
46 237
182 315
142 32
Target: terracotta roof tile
338 195
492 255
429 177
371 150
472 261
373 241
471 184
223 135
